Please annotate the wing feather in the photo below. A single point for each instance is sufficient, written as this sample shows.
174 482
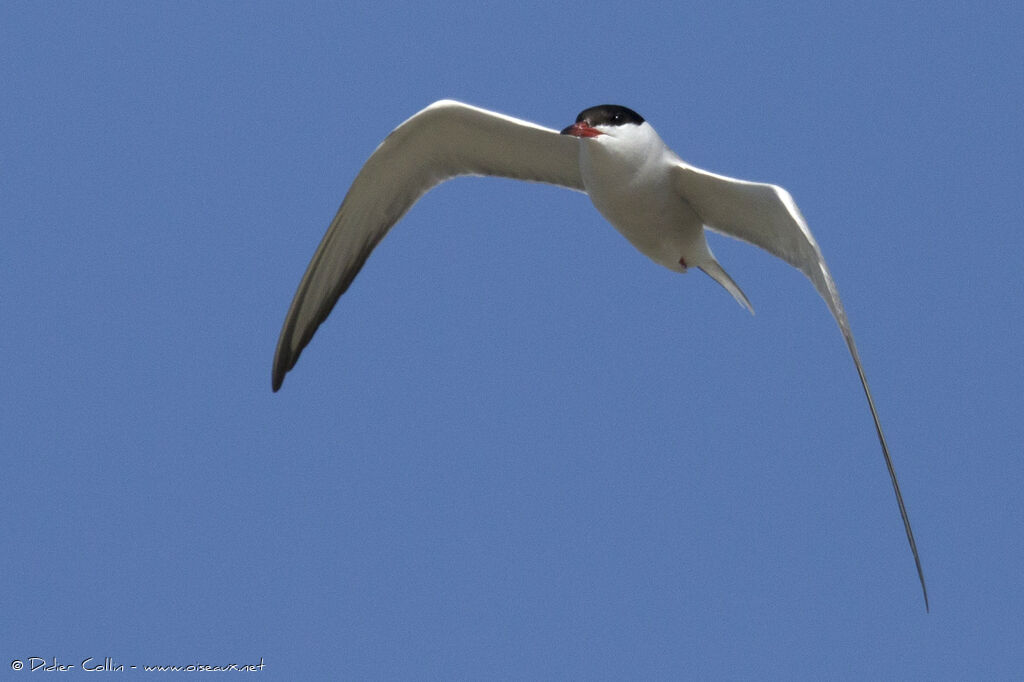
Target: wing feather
766 216
445 140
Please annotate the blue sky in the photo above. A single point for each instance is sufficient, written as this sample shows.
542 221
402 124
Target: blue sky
517 448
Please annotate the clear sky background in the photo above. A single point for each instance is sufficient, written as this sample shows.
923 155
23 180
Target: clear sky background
517 448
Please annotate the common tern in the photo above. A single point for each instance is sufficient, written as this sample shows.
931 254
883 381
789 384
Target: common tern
661 204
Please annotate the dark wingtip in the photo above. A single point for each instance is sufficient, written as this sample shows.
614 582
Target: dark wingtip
278 373
924 588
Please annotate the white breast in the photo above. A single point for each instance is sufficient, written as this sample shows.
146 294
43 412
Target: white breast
626 175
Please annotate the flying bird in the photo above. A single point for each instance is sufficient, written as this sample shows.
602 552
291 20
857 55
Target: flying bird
661 204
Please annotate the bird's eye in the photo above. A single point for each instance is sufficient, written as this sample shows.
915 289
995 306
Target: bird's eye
617 118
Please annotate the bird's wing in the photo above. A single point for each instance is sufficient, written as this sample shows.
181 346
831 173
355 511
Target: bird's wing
766 216
445 140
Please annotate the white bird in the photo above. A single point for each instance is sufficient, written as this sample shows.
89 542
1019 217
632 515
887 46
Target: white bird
656 200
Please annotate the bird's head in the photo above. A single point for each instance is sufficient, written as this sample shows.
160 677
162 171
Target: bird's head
606 119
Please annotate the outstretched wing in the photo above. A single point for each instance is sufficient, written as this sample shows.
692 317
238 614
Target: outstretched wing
766 216
445 140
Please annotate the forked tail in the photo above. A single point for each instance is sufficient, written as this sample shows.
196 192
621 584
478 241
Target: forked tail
716 272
